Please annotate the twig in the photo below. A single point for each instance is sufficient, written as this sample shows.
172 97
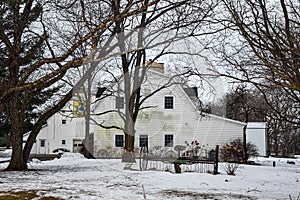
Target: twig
144 193
253 190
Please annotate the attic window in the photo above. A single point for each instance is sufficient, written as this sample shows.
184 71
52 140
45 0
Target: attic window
169 103
63 121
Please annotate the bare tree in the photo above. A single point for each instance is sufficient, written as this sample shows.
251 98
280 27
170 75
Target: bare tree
60 37
260 45
59 46
246 104
266 49
283 123
159 26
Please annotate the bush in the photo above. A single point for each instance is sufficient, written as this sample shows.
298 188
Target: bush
60 150
230 168
234 151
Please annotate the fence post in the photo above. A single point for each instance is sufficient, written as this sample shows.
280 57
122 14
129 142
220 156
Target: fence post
216 160
177 168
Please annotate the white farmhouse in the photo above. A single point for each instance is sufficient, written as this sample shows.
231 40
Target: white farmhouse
170 118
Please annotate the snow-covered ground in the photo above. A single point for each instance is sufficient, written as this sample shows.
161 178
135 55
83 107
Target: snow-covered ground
74 177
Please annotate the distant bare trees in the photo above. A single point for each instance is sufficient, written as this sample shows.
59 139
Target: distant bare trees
283 120
265 49
248 104
245 104
260 45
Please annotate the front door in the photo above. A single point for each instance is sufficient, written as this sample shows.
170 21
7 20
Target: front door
42 147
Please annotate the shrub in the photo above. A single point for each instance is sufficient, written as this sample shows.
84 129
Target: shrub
234 151
230 168
60 150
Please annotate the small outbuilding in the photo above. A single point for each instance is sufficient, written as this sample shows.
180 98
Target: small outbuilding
256 133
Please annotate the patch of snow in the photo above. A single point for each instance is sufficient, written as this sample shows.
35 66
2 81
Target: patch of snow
74 177
6 153
278 161
34 160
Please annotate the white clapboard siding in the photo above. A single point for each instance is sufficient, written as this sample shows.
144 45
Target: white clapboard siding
184 122
55 132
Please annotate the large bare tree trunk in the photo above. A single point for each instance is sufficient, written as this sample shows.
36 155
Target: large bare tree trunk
88 146
128 155
16 162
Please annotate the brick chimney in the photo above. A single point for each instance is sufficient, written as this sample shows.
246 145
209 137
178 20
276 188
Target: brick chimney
159 67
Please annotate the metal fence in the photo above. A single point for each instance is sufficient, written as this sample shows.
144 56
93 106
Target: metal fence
201 167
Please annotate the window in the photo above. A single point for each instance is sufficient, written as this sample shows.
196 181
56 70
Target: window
63 121
78 145
119 142
169 140
63 142
144 141
169 103
119 102
43 143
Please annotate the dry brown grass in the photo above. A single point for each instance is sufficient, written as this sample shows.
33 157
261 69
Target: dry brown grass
24 195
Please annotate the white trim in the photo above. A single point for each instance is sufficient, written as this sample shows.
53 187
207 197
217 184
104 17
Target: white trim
225 119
